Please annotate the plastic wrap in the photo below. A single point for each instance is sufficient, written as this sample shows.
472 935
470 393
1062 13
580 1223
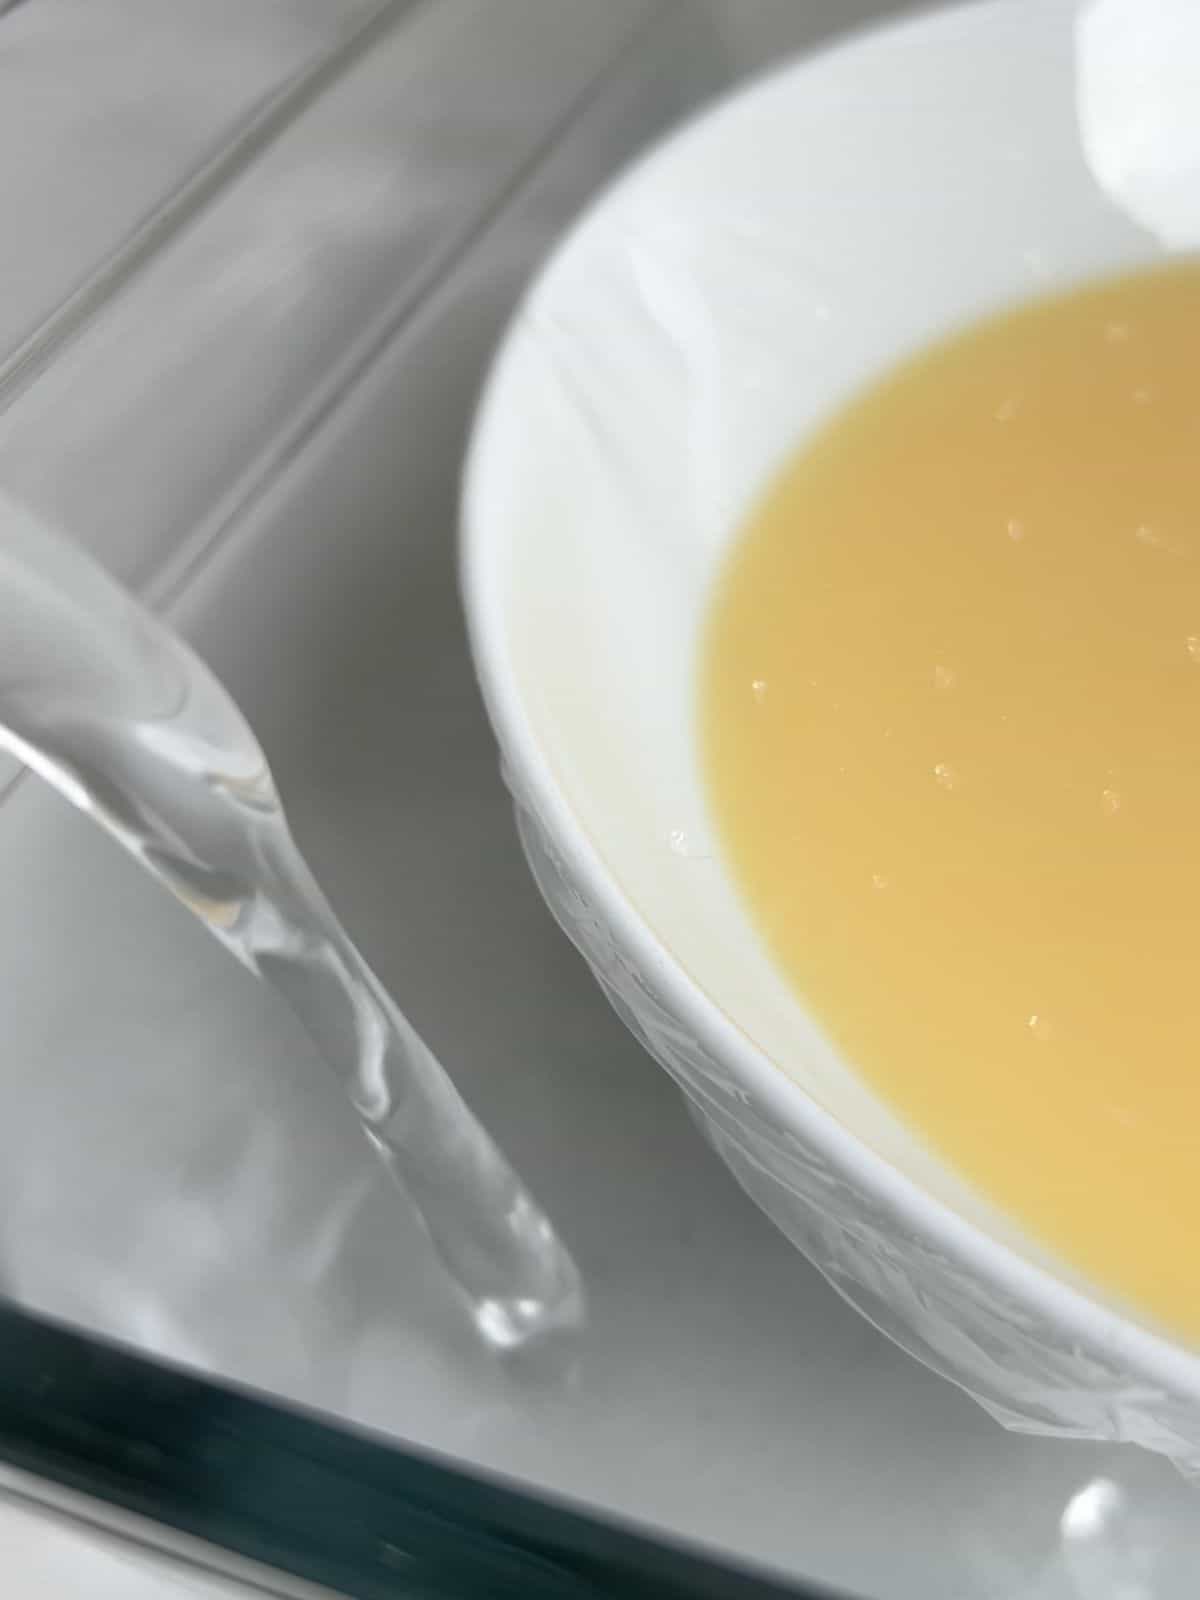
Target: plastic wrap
717 303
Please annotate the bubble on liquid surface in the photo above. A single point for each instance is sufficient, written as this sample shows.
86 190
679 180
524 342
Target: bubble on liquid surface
1110 801
758 688
1155 539
1015 529
944 677
1039 1027
945 775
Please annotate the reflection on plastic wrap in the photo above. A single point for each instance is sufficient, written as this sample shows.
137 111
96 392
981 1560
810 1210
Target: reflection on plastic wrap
1026 1373
1112 1549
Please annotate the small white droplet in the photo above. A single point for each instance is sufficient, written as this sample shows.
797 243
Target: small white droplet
1015 529
943 677
758 689
1193 646
690 843
1039 1027
1007 409
1153 539
945 775
1116 332
1145 533
1110 799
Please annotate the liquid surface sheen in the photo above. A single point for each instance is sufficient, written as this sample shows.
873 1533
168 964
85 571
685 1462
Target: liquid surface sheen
950 709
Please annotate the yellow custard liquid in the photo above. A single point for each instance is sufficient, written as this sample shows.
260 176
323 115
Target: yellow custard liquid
950 702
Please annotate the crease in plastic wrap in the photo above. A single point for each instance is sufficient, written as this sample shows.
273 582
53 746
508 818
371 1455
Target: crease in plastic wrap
1015 1365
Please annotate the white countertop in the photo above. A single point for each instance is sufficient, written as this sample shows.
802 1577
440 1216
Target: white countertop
249 392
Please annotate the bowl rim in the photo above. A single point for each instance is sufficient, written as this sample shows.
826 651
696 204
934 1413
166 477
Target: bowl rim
1111 1334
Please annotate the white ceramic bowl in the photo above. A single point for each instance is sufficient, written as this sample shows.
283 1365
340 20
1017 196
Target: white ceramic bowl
711 309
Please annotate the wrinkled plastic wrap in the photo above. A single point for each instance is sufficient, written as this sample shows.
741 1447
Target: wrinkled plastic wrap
1017 1366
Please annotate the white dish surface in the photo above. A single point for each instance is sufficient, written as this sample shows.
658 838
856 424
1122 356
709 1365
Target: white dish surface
711 310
